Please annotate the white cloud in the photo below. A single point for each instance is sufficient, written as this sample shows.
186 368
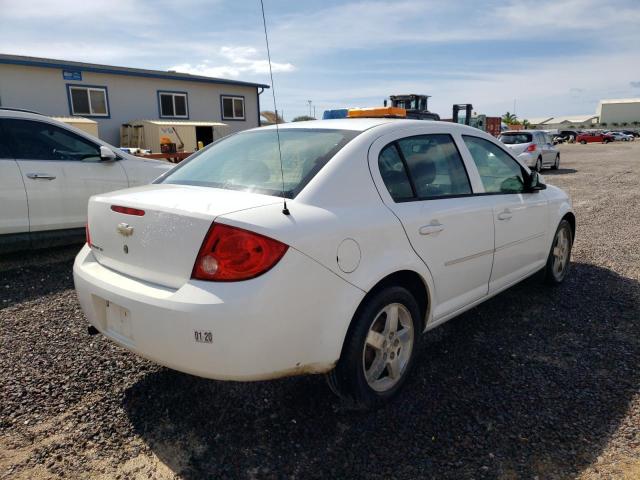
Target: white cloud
243 60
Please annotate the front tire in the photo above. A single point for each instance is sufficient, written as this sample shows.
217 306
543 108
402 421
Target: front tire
379 350
559 257
556 164
583 142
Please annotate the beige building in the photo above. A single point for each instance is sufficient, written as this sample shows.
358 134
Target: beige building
115 96
624 110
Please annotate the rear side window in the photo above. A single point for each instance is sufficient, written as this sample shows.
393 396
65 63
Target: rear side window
250 161
423 167
435 166
499 172
394 174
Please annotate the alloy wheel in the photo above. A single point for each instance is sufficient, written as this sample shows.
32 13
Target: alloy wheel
561 250
388 347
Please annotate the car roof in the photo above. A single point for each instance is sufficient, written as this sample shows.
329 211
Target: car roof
386 124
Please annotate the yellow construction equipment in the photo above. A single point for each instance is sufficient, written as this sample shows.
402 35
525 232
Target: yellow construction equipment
377 112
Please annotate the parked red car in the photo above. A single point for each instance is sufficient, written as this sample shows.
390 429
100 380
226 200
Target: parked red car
591 137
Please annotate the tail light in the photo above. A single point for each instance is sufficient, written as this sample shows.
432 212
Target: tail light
531 148
230 254
87 234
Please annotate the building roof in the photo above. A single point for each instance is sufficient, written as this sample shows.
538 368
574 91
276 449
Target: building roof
538 120
113 70
621 100
571 119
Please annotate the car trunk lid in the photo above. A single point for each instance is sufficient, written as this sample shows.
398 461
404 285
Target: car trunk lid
153 233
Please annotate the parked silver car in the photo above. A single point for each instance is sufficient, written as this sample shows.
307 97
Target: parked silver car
533 147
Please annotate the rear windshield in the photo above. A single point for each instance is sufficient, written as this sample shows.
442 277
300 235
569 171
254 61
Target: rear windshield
515 138
249 161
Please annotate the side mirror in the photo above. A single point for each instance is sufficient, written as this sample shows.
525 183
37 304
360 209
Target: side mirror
534 183
106 154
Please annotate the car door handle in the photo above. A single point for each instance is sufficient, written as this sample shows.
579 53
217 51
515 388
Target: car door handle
41 176
505 215
431 229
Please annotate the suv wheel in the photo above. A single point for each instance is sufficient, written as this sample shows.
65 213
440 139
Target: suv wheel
379 350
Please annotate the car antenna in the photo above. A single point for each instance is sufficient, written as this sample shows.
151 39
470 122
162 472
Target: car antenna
285 210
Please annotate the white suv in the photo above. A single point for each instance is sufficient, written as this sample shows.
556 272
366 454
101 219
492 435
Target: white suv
534 148
48 171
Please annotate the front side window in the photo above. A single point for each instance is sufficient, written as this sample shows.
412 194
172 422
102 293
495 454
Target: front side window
499 172
88 101
232 108
32 140
173 104
249 161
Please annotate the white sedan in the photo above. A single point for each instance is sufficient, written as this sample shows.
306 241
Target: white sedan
48 171
391 227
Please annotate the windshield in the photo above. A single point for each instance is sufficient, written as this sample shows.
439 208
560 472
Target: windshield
249 161
515 138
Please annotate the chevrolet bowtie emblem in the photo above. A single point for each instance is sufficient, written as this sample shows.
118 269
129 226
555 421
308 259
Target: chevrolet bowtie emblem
125 229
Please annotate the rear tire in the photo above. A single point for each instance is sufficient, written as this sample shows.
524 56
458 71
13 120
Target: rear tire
379 350
538 167
583 142
559 258
556 164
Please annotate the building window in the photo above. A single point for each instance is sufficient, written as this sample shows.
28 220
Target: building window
173 105
232 108
88 101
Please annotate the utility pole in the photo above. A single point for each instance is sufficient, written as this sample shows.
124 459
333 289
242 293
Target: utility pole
309 101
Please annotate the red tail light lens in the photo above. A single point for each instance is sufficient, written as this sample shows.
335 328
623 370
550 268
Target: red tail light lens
531 148
87 234
127 210
230 254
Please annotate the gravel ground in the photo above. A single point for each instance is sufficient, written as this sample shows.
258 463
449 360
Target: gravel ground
536 383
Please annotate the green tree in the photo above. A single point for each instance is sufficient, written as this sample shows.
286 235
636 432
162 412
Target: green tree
526 123
510 118
303 118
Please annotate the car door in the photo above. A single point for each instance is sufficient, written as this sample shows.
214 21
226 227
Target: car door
423 180
548 152
14 212
520 218
60 170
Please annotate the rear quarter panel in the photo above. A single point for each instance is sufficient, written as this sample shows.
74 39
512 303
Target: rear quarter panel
341 203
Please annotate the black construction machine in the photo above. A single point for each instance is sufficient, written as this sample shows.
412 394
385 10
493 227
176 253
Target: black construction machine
415 105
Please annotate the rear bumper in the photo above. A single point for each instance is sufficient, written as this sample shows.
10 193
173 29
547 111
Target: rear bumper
292 320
